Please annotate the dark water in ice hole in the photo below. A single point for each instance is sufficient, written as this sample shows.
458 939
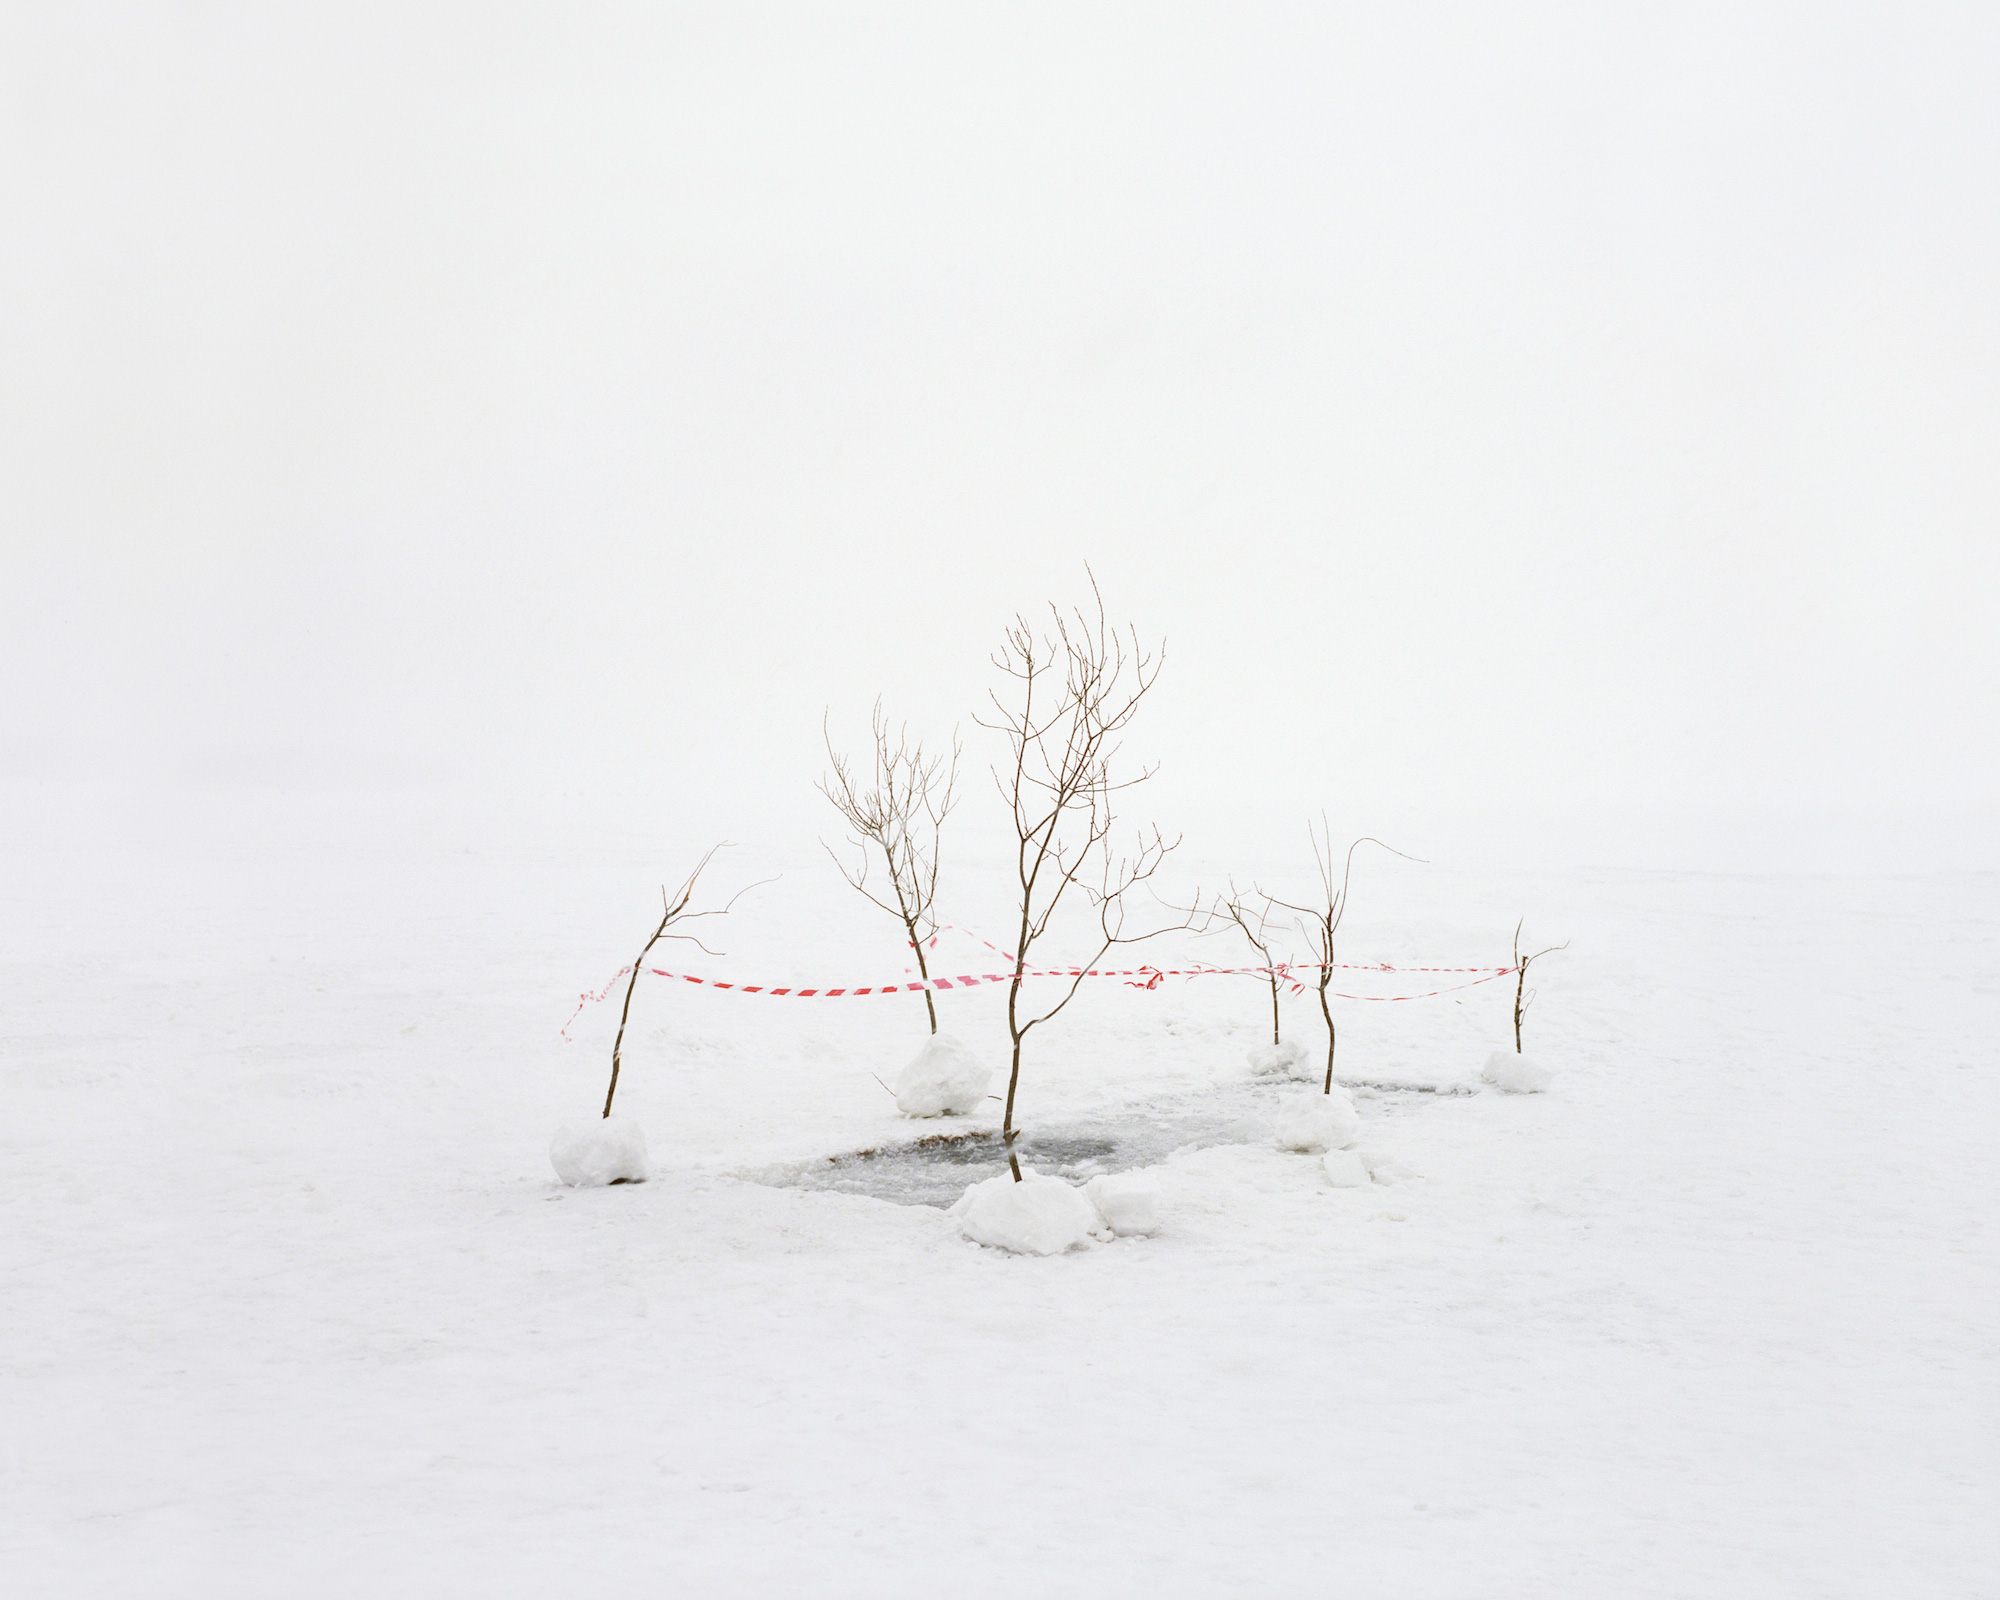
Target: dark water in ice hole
934 1168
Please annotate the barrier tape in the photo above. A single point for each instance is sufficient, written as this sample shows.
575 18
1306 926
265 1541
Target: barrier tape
1136 978
1142 977
1337 966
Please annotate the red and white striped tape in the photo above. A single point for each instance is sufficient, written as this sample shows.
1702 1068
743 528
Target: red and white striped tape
1135 977
1148 978
1283 966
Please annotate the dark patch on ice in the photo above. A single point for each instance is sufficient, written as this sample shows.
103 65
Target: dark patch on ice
935 1169
985 1147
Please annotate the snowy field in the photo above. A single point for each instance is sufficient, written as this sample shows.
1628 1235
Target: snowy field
295 1306
458 463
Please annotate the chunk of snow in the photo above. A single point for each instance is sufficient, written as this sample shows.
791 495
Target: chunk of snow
1286 1059
1345 1169
1316 1122
1384 1168
1129 1202
945 1080
602 1150
1039 1216
1516 1074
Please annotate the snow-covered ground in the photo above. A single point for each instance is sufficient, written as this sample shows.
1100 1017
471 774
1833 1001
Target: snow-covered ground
294 1304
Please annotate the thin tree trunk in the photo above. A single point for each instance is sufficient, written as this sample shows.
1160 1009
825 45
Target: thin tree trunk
924 972
1016 1033
1007 1134
638 961
618 1043
1520 984
1521 965
916 940
1326 1011
672 908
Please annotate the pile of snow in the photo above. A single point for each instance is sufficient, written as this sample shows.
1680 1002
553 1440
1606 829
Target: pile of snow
944 1080
1286 1059
1345 1169
1316 1122
1516 1074
1039 1216
603 1150
1129 1202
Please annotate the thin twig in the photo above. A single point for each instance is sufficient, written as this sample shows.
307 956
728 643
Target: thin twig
902 814
673 909
1321 924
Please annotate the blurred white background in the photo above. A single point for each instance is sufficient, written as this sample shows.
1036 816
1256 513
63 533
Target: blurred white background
1546 411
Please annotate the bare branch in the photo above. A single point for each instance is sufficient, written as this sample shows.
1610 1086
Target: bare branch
898 812
1524 997
1321 924
674 908
691 939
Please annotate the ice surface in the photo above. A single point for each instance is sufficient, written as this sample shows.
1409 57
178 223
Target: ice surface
316 1276
945 1079
1129 1202
1038 1216
601 1151
1516 1074
1289 1058
1315 1122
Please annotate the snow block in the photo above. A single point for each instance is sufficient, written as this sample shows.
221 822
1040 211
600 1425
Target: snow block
1286 1059
1386 1168
1129 1202
1345 1170
944 1080
602 1150
1317 1122
1039 1216
1516 1074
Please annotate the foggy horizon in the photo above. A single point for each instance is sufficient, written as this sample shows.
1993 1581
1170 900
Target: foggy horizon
1540 411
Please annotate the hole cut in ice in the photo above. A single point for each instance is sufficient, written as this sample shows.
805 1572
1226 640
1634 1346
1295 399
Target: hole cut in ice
935 1169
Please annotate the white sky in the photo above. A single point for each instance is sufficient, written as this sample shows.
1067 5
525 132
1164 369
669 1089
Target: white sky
1523 402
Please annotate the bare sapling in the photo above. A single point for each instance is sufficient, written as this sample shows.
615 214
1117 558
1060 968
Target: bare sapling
1321 923
1249 912
1072 688
897 812
1524 997
674 910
